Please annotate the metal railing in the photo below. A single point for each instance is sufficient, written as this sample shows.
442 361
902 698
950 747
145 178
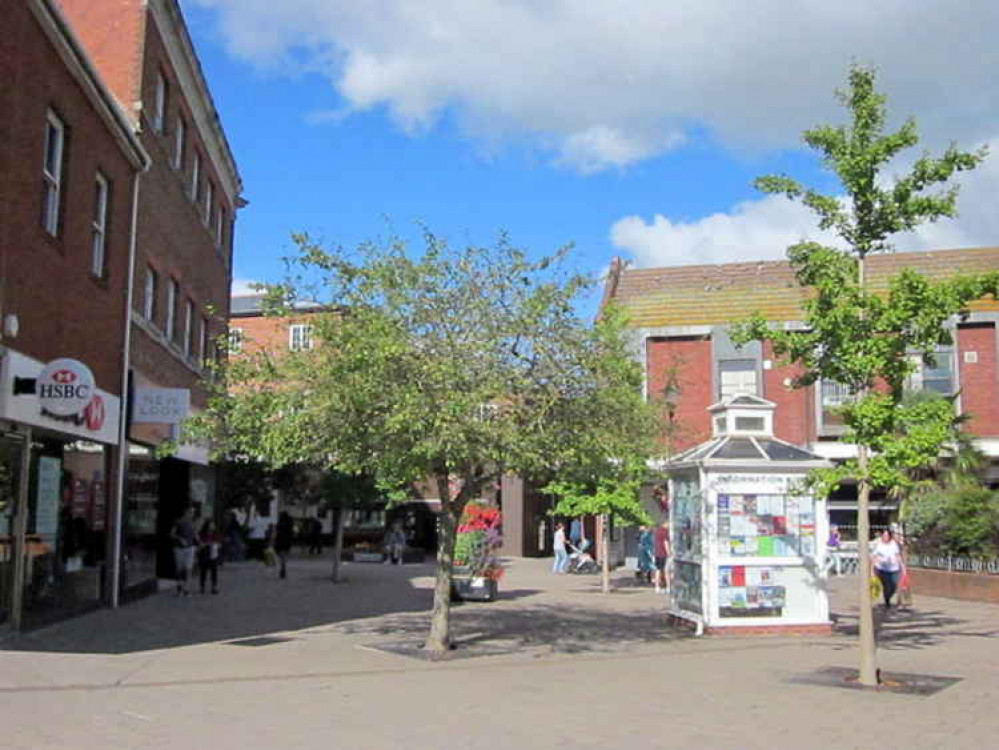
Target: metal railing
956 563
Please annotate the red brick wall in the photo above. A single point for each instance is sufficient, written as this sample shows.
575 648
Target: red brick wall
173 238
979 381
692 357
973 587
46 281
794 418
112 32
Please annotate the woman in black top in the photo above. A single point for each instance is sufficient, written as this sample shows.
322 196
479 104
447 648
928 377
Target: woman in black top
284 536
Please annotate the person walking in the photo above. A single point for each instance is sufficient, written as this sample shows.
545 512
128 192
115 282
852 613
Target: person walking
576 532
184 542
561 558
315 536
646 561
257 536
284 537
209 555
395 544
660 552
887 560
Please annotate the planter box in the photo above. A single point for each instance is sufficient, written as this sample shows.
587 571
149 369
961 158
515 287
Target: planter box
474 589
368 557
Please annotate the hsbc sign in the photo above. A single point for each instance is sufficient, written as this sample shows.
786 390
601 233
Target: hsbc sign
60 395
65 387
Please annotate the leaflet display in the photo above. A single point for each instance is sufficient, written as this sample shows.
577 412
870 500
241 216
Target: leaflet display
766 526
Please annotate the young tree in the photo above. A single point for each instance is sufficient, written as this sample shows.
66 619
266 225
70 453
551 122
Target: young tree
613 495
453 364
342 492
865 339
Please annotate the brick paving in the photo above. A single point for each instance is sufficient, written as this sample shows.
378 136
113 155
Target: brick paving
557 664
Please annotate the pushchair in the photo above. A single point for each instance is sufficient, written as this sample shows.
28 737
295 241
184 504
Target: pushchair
580 561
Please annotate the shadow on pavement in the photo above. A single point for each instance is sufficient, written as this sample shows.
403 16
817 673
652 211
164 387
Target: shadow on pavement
253 602
911 628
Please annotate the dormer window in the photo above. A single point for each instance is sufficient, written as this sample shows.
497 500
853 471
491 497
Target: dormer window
743 414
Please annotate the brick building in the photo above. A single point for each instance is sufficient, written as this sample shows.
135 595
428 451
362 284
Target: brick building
680 317
119 192
70 163
182 267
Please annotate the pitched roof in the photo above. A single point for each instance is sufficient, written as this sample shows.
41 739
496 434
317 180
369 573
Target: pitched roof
719 294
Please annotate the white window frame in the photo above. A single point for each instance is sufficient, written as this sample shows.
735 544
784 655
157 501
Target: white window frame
160 103
206 211
203 341
195 188
917 380
149 289
300 337
179 144
236 340
219 224
52 169
839 398
739 382
173 292
98 236
188 326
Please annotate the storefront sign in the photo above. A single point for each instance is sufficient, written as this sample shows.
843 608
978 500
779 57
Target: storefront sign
65 387
161 405
64 398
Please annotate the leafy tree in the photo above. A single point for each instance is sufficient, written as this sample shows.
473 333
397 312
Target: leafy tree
861 338
614 494
956 520
453 364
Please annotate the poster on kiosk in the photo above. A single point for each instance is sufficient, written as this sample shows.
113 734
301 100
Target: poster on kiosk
748 537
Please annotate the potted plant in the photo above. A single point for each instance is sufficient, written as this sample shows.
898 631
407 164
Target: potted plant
477 569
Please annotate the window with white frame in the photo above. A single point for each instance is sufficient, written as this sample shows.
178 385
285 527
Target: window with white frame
203 341
737 376
219 226
173 292
179 138
195 189
206 211
55 142
299 337
938 377
235 340
160 104
832 396
149 294
188 327
98 227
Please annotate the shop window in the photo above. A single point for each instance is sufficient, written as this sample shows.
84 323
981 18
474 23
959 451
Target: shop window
98 227
300 337
737 376
52 169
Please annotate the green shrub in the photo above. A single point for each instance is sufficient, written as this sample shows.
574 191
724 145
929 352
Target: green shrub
959 521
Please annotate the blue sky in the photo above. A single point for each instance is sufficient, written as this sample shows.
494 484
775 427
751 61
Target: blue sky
559 122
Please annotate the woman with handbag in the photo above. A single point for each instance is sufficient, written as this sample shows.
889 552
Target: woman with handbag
887 560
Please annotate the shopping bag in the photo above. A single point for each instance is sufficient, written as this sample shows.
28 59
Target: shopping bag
270 557
875 584
905 589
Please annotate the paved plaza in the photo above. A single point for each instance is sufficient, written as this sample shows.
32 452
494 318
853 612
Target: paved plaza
553 664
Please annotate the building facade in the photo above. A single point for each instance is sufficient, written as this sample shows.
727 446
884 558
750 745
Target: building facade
118 194
70 163
182 266
680 319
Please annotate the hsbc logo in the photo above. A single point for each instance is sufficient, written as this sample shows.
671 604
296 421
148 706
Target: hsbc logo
65 387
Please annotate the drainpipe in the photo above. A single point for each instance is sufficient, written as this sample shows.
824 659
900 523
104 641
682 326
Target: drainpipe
20 533
121 469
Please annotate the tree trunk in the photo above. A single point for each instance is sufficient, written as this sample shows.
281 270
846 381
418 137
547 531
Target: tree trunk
868 666
338 515
605 557
439 639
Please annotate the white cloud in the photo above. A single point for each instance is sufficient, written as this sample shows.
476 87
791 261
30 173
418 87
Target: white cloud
602 85
762 229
